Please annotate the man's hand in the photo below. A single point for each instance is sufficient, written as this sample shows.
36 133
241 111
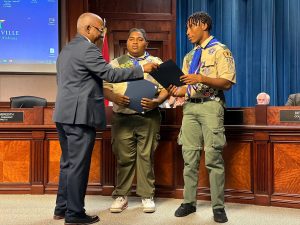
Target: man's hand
176 91
191 78
121 100
149 67
149 103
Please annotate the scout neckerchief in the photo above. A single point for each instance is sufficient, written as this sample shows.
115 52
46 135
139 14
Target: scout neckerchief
135 60
196 62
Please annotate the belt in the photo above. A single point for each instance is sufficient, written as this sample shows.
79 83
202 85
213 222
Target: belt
140 114
128 114
198 100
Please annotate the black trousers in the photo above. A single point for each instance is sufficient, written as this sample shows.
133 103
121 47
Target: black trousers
77 142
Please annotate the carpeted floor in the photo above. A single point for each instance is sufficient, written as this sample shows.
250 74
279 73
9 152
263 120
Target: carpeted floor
38 210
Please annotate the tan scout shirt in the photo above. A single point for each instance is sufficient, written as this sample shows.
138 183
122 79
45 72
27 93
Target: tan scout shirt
216 62
120 88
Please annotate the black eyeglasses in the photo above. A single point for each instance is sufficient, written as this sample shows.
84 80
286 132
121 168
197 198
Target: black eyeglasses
99 29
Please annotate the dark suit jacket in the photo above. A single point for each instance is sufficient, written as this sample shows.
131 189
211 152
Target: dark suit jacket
293 100
80 71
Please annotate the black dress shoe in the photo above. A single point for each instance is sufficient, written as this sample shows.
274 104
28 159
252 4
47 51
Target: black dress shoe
82 220
58 215
185 209
220 215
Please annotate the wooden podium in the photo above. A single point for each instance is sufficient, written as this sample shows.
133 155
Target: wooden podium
261 156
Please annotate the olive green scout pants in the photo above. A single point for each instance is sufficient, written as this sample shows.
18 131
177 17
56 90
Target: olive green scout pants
203 125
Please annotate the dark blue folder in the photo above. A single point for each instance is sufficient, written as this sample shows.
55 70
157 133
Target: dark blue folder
136 90
168 73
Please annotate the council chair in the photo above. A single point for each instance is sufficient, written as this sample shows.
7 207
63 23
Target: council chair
27 101
293 100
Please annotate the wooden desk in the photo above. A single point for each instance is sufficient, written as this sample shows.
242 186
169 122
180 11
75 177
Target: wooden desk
262 159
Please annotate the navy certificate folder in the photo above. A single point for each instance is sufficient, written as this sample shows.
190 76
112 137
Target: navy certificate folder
168 73
136 90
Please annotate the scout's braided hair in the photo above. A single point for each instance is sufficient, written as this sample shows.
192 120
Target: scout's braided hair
198 17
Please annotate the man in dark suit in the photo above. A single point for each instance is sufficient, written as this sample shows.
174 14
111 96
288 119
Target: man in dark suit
293 100
79 109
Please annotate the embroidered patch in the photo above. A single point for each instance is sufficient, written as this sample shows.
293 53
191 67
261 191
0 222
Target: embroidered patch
211 51
227 54
229 60
206 70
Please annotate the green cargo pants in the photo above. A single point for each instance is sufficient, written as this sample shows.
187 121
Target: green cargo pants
134 140
203 125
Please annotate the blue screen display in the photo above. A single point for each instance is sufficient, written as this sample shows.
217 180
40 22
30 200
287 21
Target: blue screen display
29 32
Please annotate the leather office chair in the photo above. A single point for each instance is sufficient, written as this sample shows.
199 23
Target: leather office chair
27 102
293 100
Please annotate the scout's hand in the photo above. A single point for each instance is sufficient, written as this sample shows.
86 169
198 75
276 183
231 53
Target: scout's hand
172 89
191 78
176 91
121 100
149 67
149 103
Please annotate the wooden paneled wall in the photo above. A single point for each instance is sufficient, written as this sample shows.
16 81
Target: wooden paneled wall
157 17
70 10
261 162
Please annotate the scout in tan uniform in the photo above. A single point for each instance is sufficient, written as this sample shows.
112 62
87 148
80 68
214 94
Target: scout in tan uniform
134 136
209 70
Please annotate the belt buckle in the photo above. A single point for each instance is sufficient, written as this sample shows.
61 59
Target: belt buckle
196 100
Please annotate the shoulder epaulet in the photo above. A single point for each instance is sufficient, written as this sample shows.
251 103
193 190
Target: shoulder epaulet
222 45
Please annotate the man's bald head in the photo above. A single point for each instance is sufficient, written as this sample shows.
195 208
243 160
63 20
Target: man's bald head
86 19
86 23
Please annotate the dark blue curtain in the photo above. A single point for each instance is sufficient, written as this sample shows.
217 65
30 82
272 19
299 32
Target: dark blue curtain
263 36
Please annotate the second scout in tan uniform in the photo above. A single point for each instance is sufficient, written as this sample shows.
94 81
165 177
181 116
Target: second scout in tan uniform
134 136
203 113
